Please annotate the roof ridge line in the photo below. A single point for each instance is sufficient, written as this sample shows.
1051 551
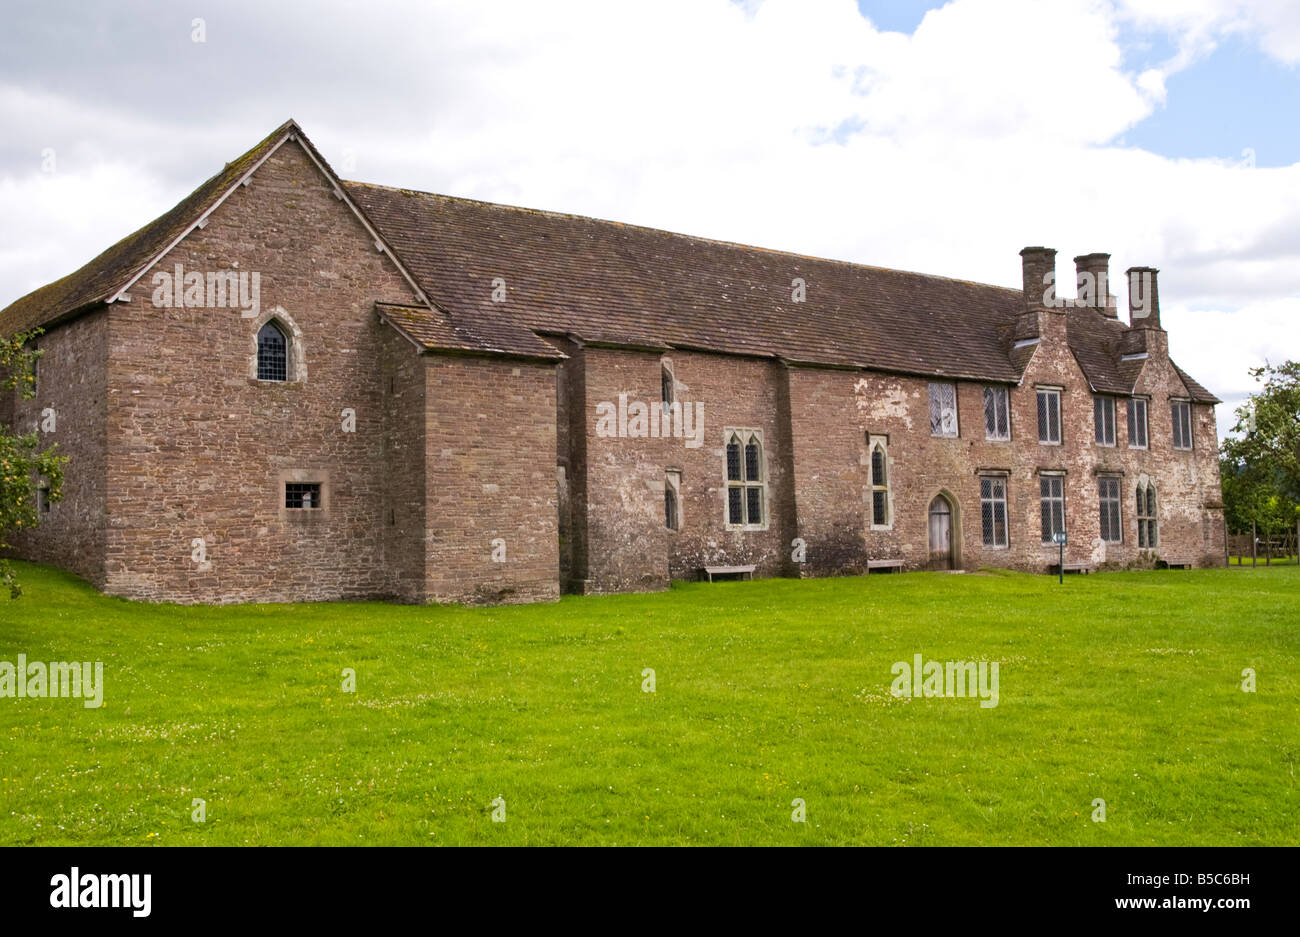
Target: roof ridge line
680 234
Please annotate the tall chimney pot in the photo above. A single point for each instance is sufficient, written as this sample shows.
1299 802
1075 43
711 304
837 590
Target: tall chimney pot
1038 270
1092 282
1143 298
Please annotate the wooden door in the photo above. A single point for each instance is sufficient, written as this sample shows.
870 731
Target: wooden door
940 533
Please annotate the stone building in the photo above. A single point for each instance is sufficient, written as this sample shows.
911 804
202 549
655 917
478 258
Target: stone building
291 387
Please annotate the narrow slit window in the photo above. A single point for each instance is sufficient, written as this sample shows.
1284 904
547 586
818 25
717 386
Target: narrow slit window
1148 528
1182 413
672 500
879 483
1108 499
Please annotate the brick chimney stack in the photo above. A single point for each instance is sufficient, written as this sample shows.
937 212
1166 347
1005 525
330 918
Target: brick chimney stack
1038 272
1143 298
1092 282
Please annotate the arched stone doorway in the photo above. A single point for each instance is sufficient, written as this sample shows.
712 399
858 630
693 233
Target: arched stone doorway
943 533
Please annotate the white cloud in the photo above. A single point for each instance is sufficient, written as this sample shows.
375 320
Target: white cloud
792 124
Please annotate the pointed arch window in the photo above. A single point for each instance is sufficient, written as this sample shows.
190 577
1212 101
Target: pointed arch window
881 515
746 480
1148 526
667 383
272 353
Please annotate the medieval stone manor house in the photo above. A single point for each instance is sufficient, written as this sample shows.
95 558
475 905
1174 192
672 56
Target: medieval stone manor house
292 387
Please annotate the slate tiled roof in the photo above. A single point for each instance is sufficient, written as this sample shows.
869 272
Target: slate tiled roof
606 282
602 281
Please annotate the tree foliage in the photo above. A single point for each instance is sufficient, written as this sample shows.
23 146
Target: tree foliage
1261 464
24 465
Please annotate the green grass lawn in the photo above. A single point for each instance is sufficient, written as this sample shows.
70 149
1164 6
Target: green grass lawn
1120 686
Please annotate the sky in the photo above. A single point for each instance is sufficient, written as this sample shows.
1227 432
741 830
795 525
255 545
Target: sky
926 136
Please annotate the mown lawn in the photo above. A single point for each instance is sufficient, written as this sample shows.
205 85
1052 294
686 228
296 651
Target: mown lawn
1120 686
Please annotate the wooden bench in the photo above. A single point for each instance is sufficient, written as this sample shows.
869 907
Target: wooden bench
888 566
1082 568
1173 562
741 571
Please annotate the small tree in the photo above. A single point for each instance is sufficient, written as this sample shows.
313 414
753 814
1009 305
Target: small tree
1261 466
23 464
1269 425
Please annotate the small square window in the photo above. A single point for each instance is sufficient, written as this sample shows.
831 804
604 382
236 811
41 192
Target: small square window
302 495
43 500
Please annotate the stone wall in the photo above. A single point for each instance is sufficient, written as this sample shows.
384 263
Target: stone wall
71 396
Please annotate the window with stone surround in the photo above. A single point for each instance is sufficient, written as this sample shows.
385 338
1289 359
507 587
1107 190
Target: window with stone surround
997 414
1103 418
1182 414
881 501
666 386
1108 501
272 353
303 495
1051 489
673 499
1049 415
943 409
746 480
1148 527
993 511
1137 423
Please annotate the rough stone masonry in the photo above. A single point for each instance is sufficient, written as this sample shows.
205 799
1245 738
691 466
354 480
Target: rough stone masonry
411 409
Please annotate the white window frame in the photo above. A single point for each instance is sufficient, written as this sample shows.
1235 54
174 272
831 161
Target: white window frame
1053 395
993 482
1051 499
1136 405
1184 407
744 436
1001 401
1104 416
1103 501
876 485
947 428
